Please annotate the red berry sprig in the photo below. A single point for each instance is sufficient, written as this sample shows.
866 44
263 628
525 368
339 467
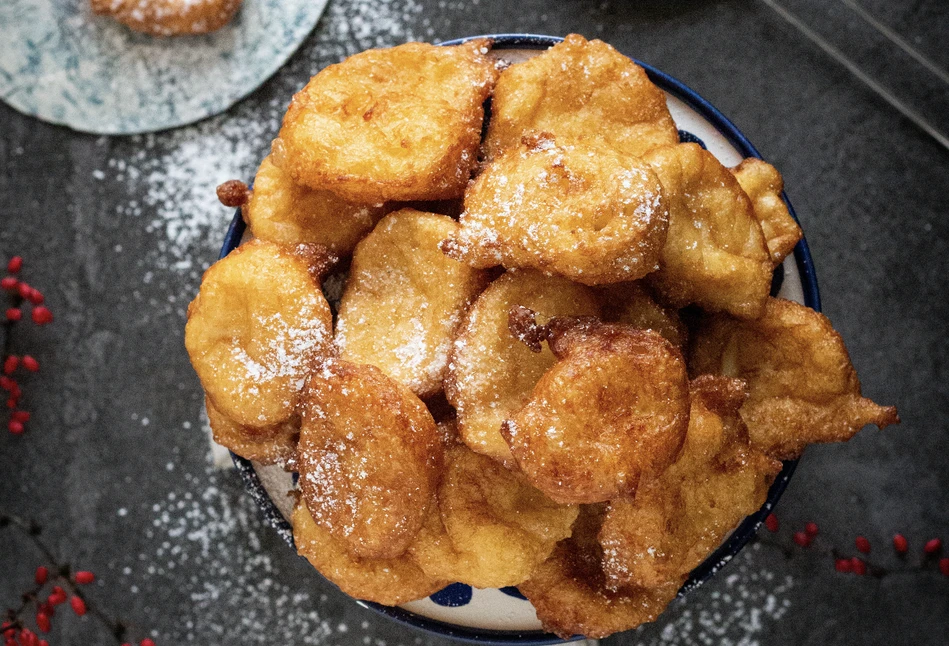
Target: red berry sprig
19 293
859 565
54 584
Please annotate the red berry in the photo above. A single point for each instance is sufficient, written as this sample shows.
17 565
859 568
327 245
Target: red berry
15 427
21 416
85 577
900 544
802 539
858 565
9 283
7 628
810 528
43 642
58 596
944 566
35 297
30 363
41 575
28 638
78 606
42 315
932 546
146 642
11 363
6 383
863 545
42 622
24 290
843 565
771 522
15 264
14 314
11 403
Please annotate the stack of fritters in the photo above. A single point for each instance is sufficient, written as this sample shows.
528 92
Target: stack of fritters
511 396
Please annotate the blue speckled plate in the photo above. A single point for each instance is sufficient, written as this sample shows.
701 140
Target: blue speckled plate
62 63
504 616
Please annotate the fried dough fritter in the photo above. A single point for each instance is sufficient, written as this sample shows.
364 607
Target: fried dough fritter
287 213
369 458
632 304
169 17
763 184
402 123
611 412
405 299
803 387
676 521
493 528
389 581
715 254
273 445
592 215
257 323
490 373
581 92
569 590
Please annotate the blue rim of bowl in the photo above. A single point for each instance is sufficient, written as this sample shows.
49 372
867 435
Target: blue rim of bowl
742 534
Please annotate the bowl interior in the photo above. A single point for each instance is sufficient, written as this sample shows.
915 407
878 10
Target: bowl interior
504 616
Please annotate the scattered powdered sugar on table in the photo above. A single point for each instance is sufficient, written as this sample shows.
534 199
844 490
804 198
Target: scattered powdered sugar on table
736 608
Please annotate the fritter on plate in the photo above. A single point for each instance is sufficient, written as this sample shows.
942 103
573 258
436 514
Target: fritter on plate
169 17
715 254
491 373
369 458
404 299
802 387
763 184
582 92
288 213
676 521
271 445
493 528
402 123
592 215
611 412
257 323
570 594
389 581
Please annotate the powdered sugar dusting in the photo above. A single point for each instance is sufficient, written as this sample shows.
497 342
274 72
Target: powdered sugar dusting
737 608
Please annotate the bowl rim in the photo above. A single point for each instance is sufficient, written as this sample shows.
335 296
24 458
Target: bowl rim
745 531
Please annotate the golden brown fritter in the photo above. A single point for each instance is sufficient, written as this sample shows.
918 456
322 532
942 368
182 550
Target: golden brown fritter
287 213
257 323
803 388
491 373
569 590
493 528
582 92
390 124
169 17
405 299
633 304
675 521
389 581
715 254
369 458
763 184
272 445
612 411
592 215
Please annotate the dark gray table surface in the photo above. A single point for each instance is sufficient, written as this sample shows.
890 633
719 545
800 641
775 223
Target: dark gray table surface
116 230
